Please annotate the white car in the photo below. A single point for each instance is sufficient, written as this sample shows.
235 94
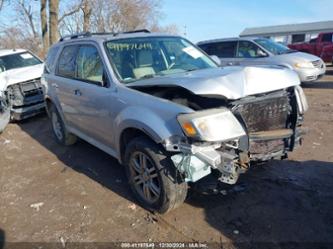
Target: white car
21 94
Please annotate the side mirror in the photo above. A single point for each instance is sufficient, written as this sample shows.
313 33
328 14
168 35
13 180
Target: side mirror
216 60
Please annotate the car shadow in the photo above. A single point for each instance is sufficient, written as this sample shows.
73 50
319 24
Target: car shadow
283 204
318 85
2 239
81 157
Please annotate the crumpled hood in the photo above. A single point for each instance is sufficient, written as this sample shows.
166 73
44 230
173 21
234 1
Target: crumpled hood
18 75
231 82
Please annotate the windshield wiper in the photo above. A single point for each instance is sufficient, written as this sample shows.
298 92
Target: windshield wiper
147 76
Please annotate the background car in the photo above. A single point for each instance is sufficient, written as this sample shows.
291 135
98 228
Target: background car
21 94
316 46
262 51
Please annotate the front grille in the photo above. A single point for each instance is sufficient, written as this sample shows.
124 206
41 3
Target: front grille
269 113
30 88
26 93
317 64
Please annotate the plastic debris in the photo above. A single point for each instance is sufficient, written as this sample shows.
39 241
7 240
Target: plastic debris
224 192
63 242
132 206
37 206
6 141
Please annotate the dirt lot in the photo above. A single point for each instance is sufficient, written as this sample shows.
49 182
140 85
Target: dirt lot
51 193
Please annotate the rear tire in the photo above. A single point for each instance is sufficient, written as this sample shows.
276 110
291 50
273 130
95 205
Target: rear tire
60 132
152 176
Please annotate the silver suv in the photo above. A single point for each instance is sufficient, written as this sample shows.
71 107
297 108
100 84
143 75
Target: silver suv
167 112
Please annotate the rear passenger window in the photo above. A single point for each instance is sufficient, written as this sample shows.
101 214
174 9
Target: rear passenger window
89 64
66 66
327 38
223 49
49 61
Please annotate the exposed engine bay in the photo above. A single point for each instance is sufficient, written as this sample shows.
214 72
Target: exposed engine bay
271 122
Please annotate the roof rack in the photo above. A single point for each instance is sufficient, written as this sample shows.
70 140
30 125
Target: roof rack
88 34
74 36
136 31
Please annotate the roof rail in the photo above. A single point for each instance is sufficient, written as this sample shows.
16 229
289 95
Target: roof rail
88 34
74 36
136 31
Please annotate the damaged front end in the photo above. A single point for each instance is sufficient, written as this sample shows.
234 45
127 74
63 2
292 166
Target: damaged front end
26 99
226 139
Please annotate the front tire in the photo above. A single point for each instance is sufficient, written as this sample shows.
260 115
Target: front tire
60 132
153 178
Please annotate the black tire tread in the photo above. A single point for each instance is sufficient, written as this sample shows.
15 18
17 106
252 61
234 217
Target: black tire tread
69 138
175 189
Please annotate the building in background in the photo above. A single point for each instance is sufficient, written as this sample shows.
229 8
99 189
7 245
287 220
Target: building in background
290 33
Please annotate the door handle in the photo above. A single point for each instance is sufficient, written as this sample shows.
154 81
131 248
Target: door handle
77 92
230 63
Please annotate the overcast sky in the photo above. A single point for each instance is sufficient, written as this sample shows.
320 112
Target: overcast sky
206 19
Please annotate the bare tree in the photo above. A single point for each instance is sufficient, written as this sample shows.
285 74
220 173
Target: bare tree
44 25
53 20
27 14
87 11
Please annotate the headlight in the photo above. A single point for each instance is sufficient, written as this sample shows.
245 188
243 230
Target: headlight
302 103
211 125
304 65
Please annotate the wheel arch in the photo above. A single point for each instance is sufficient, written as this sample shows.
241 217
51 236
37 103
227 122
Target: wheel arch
129 134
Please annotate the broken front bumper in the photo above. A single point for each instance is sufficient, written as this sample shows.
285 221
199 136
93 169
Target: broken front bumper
233 158
19 113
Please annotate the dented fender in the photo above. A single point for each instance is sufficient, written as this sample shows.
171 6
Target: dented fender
158 128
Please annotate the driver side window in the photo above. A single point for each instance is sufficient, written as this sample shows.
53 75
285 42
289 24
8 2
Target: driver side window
247 49
89 64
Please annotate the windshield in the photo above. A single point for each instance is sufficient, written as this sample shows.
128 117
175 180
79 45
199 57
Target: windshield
138 58
273 47
18 60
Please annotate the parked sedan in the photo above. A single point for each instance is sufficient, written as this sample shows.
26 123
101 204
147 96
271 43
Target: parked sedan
258 51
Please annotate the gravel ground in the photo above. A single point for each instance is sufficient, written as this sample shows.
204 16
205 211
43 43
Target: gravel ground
53 194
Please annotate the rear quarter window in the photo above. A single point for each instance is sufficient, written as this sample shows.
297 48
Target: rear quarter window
67 61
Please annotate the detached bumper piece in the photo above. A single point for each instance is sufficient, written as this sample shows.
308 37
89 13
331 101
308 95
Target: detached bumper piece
200 161
26 99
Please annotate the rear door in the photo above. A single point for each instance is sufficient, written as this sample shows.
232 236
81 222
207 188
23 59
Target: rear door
63 84
225 50
84 93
